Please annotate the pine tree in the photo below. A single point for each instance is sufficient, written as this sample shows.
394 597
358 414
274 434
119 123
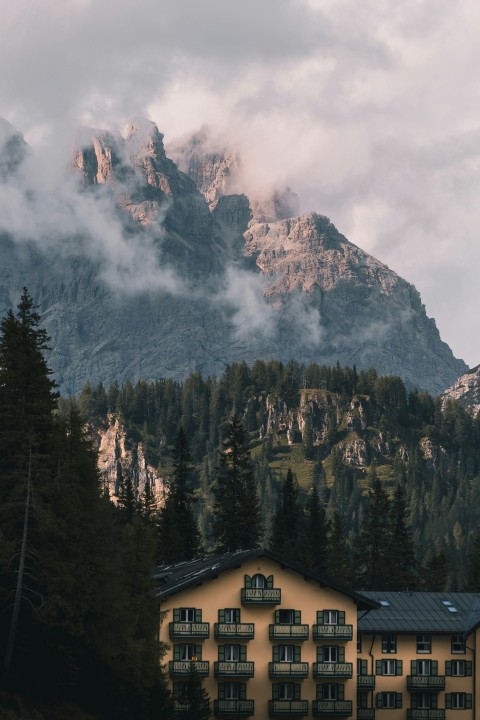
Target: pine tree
401 550
472 581
339 567
287 530
237 519
436 573
179 533
316 544
373 560
194 698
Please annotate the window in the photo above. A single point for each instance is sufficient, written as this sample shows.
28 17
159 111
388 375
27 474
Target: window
186 652
458 668
330 691
361 667
424 643
389 643
330 653
232 653
389 700
458 644
187 615
359 643
424 667
285 653
259 581
286 617
330 617
285 691
362 699
231 691
424 701
230 615
388 667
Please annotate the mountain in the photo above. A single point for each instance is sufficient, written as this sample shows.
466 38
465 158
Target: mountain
466 389
158 268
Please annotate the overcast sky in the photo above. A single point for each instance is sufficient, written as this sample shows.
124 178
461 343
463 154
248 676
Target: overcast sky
369 110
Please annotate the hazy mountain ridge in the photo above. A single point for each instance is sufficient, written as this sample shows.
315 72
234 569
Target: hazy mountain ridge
217 277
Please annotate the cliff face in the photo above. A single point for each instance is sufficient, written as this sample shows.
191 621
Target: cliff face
466 389
246 279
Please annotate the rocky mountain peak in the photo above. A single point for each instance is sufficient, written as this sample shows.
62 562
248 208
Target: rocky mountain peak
13 149
97 156
466 390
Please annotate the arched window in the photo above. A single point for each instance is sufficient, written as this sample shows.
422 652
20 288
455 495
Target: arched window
259 581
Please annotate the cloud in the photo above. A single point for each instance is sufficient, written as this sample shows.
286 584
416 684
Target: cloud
368 110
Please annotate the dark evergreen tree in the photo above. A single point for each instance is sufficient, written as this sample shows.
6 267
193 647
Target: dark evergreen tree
237 518
373 559
194 701
436 573
287 529
339 566
472 581
316 545
401 570
179 533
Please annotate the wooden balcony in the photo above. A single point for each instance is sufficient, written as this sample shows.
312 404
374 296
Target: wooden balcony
365 713
183 667
188 630
425 682
421 714
288 669
332 707
225 631
237 708
281 631
332 669
332 632
287 708
235 669
365 682
262 596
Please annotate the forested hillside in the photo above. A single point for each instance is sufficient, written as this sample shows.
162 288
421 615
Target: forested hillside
336 429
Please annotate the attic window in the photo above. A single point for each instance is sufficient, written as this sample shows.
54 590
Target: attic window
384 603
452 609
448 606
446 603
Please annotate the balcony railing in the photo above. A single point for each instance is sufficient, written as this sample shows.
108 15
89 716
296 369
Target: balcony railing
282 631
291 708
183 667
227 668
237 708
224 631
365 682
421 714
332 669
264 596
332 632
425 682
288 669
365 713
332 707
189 629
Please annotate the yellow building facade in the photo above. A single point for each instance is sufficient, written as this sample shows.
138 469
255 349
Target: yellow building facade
268 638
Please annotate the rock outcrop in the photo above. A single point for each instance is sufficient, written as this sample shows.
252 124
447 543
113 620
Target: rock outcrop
466 390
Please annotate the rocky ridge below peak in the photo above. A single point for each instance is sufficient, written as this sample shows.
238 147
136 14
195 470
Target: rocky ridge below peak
466 390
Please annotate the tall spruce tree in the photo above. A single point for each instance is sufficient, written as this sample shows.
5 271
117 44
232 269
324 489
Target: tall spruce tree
401 569
237 517
317 528
339 566
288 522
179 534
373 559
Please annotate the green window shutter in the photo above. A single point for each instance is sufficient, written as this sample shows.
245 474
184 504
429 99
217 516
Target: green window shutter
275 691
221 691
277 617
341 654
297 617
319 653
270 582
448 667
243 653
176 652
276 654
319 692
413 667
340 692
237 615
468 668
198 651
468 701
414 700
296 691
379 700
363 667
297 653
378 667
319 617
433 701
221 616
434 667
198 615
176 615
248 581
398 700
242 691
448 701
399 667
341 617
221 652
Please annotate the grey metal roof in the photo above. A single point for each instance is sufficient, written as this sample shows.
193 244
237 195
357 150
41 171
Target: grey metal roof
414 612
171 579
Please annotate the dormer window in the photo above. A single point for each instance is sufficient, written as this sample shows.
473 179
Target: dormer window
259 581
